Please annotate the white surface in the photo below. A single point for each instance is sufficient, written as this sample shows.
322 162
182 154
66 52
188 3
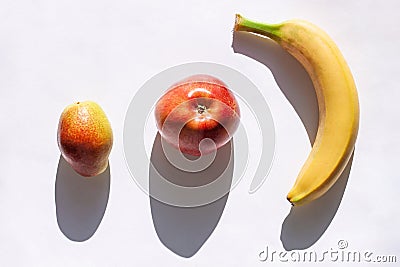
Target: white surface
53 53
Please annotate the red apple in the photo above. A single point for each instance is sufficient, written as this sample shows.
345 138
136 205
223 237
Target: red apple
196 108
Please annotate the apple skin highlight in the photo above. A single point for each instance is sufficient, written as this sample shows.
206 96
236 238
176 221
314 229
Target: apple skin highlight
196 108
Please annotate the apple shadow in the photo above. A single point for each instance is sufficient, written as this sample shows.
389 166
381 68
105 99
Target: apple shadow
304 225
80 202
184 230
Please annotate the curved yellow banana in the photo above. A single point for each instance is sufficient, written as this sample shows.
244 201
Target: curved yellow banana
337 102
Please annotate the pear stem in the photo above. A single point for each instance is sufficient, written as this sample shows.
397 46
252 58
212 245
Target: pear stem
268 30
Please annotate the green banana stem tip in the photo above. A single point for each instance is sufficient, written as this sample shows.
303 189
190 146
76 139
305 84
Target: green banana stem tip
244 24
238 19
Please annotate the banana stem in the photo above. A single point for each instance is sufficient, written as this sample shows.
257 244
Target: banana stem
269 30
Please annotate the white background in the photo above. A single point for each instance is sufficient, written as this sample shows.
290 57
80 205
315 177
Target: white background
53 53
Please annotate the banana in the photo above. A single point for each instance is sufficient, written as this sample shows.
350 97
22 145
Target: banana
337 102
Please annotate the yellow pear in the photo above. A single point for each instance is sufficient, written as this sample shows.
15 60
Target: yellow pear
85 138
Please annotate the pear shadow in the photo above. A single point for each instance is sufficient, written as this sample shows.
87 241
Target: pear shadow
80 202
304 225
184 230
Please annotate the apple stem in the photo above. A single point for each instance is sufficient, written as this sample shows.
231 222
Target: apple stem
201 108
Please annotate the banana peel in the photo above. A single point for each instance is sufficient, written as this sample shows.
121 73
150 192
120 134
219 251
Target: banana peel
337 98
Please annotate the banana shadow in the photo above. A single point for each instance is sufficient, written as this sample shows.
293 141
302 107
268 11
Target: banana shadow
184 230
304 225
80 202
289 74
